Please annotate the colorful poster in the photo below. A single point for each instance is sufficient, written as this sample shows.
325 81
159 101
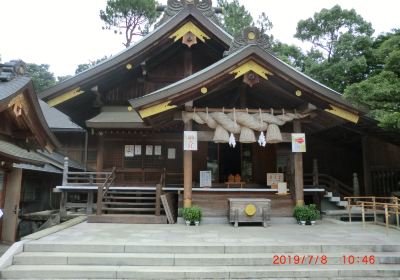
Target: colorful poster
149 150
129 150
298 143
190 140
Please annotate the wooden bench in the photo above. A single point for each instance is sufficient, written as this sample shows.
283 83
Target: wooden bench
228 184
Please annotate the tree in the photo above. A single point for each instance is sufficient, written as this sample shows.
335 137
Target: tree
42 78
380 93
83 67
327 27
235 17
132 16
341 48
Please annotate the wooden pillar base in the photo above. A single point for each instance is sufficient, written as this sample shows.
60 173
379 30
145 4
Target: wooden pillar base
299 202
187 203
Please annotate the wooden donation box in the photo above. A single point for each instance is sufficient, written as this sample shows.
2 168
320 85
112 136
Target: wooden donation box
249 210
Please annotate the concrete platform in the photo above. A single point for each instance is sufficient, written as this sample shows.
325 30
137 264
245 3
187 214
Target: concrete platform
324 233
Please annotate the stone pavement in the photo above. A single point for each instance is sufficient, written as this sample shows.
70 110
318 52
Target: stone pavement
277 234
3 248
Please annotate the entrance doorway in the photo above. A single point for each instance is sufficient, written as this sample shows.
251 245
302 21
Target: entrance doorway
229 161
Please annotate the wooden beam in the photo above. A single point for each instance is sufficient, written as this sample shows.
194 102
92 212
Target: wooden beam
343 113
298 170
64 97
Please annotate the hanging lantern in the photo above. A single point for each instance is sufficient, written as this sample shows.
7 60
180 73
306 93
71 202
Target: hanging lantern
247 135
221 135
273 134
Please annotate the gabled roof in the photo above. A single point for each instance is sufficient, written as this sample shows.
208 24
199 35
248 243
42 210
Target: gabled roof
136 53
21 87
191 86
57 120
116 117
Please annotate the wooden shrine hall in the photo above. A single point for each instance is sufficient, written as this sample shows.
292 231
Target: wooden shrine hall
256 120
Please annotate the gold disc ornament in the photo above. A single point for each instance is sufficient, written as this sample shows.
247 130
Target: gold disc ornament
250 209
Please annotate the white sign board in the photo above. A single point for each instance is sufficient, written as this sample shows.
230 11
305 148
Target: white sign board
171 153
157 150
298 143
1 213
282 188
129 150
274 178
205 179
190 140
138 150
149 150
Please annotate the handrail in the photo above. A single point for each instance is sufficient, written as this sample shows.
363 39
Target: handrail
103 189
373 202
332 183
159 190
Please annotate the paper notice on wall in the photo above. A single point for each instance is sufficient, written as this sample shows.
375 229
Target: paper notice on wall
205 179
171 153
190 140
1 213
298 143
138 150
149 150
157 150
274 178
129 150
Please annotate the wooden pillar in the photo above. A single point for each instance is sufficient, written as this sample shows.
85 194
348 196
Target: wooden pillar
100 153
65 172
315 172
298 170
356 185
366 167
187 172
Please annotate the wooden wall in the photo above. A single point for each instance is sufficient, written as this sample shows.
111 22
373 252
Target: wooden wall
382 154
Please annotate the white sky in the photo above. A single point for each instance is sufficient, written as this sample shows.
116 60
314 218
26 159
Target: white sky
67 33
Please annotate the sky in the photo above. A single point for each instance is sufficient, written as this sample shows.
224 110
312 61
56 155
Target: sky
65 33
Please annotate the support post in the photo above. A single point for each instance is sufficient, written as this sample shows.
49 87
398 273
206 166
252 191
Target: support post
65 172
63 204
99 209
100 152
366 167
158 200
89 204
187 172
315 172
298 170
356 185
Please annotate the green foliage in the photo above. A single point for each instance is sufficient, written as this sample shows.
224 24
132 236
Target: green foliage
380 92
192 213
290 54
83 67
327 27
133 17
306 213
235 16
42 78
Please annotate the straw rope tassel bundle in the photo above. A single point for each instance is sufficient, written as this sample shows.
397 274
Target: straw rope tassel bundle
221 135
273 133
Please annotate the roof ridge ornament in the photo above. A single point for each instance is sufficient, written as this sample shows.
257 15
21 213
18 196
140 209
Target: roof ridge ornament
250 36
175 6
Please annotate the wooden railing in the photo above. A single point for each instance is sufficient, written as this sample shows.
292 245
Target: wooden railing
103 189
159 191
375 205
385 181
332 184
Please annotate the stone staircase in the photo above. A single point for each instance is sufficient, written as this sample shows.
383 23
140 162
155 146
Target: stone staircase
44 260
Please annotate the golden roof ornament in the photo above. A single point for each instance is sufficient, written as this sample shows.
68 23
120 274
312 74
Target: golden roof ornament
250 36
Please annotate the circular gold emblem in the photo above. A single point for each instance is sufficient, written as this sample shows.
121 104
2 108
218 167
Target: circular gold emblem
203 90
251 35
250 209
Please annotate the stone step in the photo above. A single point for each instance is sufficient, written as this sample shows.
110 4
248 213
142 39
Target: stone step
201 248
151 203
165 259
124 209
334 199
197 272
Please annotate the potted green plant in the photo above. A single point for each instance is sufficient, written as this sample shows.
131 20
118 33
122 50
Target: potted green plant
192 215
313 213
300 214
